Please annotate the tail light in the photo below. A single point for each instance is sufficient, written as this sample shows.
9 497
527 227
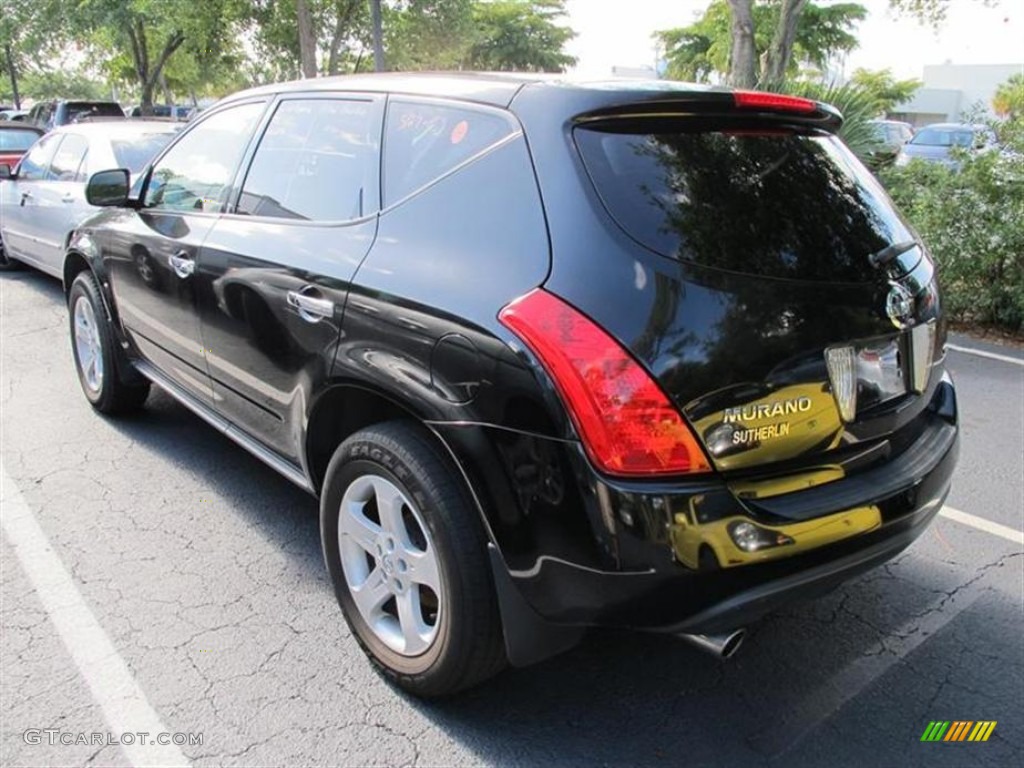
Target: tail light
776 102
627 424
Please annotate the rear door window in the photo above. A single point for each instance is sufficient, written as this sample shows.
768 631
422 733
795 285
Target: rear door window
424 141
68 158
318 160
770 202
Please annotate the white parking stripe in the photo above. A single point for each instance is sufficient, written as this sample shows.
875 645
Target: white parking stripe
984 353
123 703
1003 531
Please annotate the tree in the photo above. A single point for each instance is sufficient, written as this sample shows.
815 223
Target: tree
931 12
63 83
27 35
309 37
1009 98
703 50
149 32
781 49
520 35
886 91
742 52
378 35
428 34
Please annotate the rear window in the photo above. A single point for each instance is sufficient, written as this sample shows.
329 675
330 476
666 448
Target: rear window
80 110
17 141
134 153
774 203
932 137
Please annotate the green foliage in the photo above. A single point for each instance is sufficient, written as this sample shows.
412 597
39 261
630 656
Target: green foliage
427 34
702 49
888 92
185 48
857 105
341 28
520 36
970 219
931 12
926 11
61 84
1009 98
696 52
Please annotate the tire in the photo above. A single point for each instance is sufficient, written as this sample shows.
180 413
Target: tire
456 640
7 264
94 349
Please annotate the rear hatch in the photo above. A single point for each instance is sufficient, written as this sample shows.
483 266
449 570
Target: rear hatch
796 319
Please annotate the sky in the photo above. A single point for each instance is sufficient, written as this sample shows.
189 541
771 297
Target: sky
971 34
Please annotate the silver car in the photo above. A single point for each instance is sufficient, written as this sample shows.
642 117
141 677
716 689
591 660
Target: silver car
935 143
43 199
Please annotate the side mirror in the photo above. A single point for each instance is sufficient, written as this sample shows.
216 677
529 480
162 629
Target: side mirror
5 171
108 188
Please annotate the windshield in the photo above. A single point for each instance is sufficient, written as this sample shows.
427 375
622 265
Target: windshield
937 137
134 153
770 202
17 141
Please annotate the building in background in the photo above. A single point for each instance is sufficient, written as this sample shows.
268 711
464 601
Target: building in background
951 91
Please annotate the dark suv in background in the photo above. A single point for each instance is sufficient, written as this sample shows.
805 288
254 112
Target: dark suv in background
51 114
551 355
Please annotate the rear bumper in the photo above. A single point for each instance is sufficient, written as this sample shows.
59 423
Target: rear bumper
653 589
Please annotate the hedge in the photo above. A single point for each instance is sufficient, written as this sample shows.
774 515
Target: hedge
971 218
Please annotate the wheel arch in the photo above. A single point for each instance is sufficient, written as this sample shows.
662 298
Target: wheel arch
346 407
341 410
75 263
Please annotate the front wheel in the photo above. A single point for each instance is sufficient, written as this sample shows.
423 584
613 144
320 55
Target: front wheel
92 342
408 558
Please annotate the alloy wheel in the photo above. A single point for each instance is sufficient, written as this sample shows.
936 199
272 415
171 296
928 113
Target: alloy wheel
390 564
88 347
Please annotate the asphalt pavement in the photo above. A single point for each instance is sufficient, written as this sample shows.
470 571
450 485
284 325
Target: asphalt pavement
154 577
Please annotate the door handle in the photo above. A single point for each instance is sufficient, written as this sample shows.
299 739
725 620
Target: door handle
311 309
25 196
68 199
182 265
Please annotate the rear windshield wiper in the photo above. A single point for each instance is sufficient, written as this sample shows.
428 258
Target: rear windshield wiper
890 252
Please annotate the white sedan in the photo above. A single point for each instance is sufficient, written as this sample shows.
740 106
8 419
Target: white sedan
43 199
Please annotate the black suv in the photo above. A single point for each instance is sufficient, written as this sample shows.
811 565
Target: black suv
51 114
551 355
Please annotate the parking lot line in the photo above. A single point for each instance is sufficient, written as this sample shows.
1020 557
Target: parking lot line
965 518
985 353
123 703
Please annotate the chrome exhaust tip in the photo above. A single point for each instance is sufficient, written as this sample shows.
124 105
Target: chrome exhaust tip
723 646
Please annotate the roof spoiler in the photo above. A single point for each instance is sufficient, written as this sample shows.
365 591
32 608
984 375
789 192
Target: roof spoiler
723 102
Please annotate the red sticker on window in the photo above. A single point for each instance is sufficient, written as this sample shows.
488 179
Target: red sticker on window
459 131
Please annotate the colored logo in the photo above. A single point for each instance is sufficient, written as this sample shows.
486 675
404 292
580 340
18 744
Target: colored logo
958 730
